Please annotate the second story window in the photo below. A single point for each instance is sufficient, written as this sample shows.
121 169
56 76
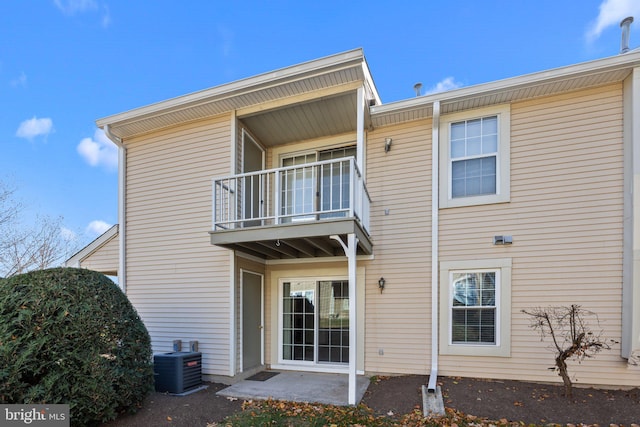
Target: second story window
475 157
474 154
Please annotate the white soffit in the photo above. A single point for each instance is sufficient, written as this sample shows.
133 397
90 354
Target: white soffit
300 79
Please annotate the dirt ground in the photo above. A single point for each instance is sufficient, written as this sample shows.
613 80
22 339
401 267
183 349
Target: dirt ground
395 396
513 400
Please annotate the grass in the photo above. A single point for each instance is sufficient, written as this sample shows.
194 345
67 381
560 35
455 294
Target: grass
280 413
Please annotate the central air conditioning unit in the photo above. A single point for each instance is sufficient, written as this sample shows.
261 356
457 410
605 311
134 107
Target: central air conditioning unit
177 372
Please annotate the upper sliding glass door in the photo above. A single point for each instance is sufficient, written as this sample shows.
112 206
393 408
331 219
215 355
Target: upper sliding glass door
307 190
298 188
335 182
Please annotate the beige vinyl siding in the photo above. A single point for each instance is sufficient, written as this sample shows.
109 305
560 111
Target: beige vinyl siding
177 280
565 217
104 259
398 320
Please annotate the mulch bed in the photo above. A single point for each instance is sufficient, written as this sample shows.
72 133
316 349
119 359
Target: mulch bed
538 404
531 403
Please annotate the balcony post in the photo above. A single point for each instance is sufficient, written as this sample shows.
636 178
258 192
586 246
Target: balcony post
352 190
360 109
350 248
213 197
276 197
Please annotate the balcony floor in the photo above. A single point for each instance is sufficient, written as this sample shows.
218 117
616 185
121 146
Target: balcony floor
294 240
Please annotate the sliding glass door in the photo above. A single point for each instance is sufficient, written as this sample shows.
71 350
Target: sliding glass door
315 321
307 190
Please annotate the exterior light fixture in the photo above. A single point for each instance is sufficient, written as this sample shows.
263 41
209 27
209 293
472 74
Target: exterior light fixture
387 144
381 283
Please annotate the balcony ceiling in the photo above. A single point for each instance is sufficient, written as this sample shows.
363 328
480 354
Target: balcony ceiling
332 115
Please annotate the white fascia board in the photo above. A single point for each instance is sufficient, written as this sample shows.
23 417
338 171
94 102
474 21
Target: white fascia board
369 80
628 60
260 81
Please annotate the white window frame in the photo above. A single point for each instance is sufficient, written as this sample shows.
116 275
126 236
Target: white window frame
502 346
503 160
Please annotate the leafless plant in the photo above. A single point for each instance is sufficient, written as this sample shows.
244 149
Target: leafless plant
571 335
35 246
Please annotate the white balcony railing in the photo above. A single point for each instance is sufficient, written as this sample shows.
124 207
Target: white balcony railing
309 192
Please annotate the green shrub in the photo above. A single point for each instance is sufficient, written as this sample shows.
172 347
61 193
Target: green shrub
71 336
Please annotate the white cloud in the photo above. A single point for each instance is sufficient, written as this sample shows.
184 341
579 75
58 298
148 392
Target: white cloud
70 7
611 13
73 7
20 81
98 227
444 85
99 150
68 234
226 36
106 17
33 127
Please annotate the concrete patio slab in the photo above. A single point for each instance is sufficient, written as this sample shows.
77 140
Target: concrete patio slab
331 389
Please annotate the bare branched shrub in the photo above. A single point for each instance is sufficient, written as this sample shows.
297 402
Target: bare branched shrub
572 338
27 245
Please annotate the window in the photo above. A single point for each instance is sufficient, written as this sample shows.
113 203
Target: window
475 157
475 299
473 307
474 150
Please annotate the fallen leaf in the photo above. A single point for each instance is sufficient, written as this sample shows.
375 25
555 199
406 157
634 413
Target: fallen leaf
169 419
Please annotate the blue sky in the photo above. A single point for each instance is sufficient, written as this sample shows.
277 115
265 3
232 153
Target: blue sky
66 63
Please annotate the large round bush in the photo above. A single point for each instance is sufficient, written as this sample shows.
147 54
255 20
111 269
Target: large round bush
71 336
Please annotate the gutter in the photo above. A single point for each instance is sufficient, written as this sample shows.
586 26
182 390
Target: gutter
122 223
435 198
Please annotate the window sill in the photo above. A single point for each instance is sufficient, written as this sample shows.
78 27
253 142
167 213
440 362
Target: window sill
474 201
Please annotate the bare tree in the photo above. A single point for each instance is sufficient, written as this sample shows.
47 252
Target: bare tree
9 208
571 335
35 246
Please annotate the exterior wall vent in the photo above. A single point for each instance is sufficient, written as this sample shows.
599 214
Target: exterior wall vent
177 372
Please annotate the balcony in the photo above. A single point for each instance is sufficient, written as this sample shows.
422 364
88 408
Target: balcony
292 212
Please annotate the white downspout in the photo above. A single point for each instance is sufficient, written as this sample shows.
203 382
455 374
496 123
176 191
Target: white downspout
435 197
122 223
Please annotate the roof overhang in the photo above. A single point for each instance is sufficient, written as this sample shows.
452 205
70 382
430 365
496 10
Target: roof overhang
330 74
91 248
544 83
